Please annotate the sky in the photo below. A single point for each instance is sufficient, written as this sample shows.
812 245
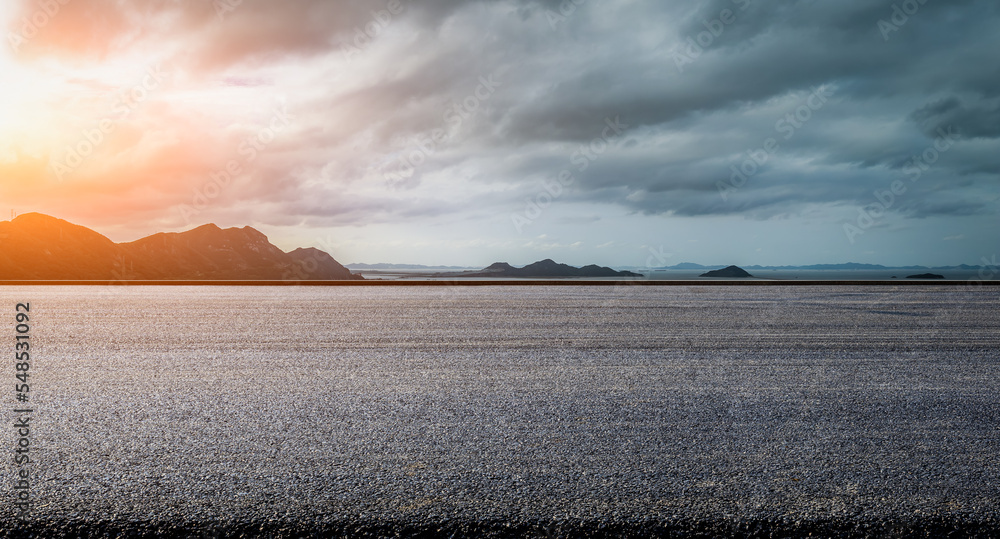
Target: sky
619 132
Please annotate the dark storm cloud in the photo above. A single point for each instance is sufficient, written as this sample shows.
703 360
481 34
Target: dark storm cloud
698 84
766 52
980 119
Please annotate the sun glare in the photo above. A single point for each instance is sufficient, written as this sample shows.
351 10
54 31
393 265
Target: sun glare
23 94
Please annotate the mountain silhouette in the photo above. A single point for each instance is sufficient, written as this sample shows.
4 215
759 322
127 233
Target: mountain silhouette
925 276
548 268
730 272
34 246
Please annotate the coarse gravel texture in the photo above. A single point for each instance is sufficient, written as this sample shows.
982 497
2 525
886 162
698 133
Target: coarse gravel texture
620 411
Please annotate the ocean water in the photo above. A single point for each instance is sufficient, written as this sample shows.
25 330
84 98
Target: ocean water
967 276
220 403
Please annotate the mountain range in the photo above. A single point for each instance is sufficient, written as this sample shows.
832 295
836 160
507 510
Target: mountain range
34 246
385 266
687 266
818 267
546 268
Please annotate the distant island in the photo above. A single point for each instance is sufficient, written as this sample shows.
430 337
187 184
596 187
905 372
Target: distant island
543 269
731 272
34 246
925 276
849 266
385 266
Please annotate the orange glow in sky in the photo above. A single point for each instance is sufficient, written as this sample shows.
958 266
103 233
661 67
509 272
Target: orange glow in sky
432 133
102 126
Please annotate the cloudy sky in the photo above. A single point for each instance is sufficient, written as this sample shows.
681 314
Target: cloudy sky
621 132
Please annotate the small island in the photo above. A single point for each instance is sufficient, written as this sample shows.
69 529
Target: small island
732 272
547 268
925 276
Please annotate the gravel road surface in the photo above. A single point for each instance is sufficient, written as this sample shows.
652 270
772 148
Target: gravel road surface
530 411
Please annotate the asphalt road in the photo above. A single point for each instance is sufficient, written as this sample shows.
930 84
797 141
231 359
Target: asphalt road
527 411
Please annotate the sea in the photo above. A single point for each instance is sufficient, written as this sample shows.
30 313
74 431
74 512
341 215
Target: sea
973 276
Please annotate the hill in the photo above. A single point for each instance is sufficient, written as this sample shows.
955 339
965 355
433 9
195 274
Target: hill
732 272
34 246
547 268
925 276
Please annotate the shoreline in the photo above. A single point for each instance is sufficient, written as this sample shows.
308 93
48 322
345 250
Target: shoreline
512 282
